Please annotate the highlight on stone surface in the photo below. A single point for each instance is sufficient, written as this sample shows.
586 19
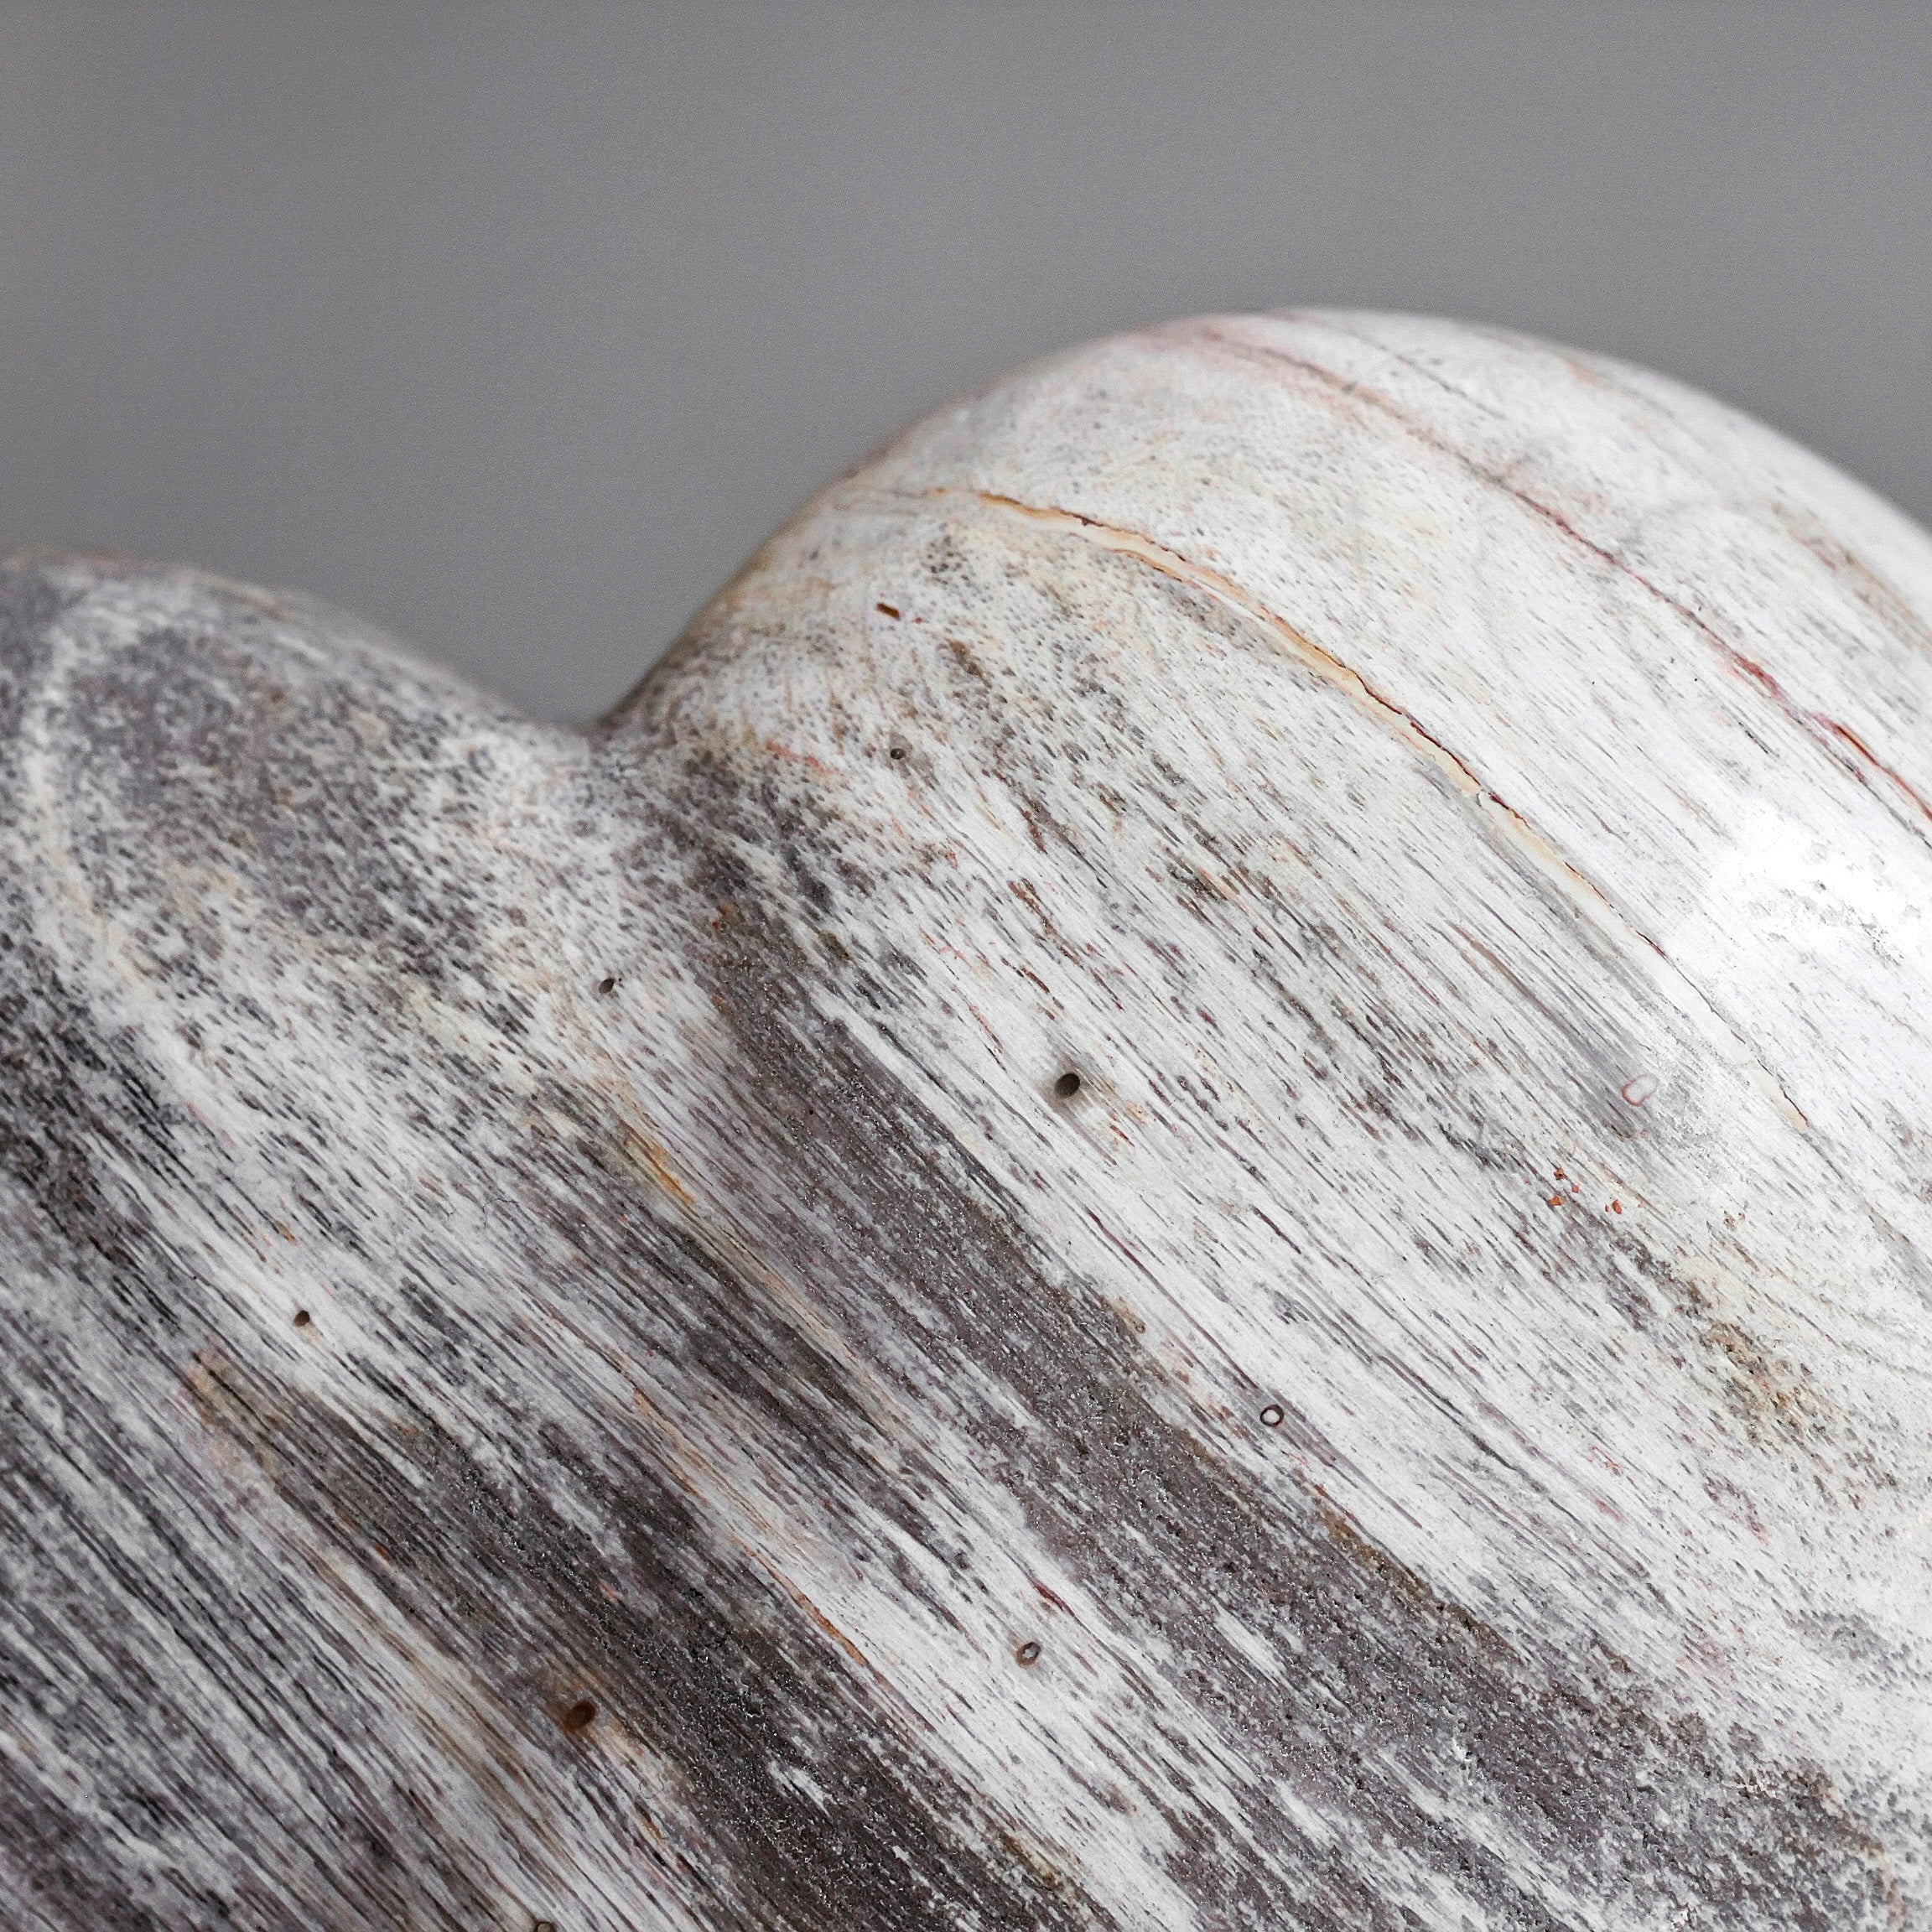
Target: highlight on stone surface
575 1302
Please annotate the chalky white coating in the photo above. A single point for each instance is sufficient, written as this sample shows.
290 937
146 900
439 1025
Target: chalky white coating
1449 1392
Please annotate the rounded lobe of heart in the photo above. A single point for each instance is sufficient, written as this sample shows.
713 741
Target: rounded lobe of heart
1184 1187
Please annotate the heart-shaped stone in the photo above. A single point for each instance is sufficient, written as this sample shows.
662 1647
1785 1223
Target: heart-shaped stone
1188 1187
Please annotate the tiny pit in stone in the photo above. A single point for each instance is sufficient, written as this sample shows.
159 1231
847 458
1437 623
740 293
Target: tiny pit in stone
1273 1415
581 1715
1066 1086
302 1318
1028 1652
608 985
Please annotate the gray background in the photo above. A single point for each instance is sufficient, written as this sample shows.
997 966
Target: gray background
515 329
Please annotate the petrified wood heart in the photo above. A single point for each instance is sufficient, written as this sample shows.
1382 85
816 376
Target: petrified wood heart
1189 1187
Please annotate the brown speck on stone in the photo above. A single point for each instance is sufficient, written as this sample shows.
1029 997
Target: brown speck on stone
580 1716
1027 1654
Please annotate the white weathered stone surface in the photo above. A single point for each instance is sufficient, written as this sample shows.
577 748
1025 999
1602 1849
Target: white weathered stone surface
567 1358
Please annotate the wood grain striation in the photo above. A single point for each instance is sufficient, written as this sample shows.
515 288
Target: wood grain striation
1188 1187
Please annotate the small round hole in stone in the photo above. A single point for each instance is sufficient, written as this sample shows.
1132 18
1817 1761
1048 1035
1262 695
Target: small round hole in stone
302 1318
580 1716
1028 1652
608 985
899 753
1273 1415
1066 1086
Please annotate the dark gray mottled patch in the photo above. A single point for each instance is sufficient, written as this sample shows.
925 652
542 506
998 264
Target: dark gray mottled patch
679 1642
227 749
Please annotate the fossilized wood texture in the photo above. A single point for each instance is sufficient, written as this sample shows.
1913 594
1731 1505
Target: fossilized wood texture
569 1356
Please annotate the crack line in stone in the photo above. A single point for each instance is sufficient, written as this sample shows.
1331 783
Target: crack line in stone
1824 731
1582 892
